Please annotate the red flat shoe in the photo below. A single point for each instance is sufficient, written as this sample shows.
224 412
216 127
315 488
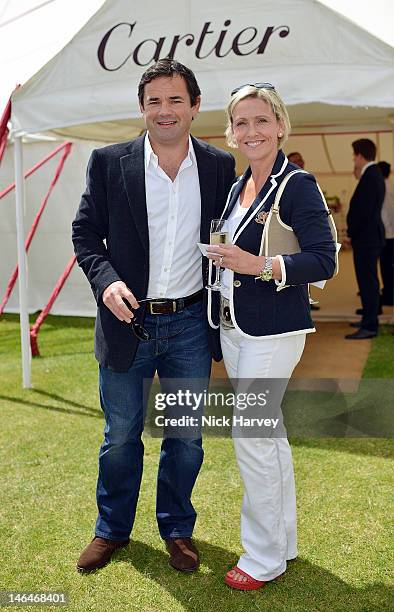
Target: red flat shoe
250 584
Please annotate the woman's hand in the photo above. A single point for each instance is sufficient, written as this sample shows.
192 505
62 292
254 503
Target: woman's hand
232 257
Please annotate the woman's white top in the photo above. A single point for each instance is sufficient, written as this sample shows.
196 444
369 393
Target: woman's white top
235 218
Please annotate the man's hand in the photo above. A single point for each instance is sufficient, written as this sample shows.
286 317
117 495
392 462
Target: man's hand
113 299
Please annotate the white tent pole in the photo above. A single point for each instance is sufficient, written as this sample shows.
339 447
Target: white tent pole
22 266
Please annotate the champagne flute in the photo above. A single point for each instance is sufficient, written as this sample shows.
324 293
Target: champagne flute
218 235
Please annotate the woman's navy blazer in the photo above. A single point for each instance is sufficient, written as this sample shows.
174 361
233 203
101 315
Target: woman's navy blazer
262 308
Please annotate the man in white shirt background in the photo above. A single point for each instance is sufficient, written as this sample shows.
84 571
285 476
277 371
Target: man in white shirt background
151 200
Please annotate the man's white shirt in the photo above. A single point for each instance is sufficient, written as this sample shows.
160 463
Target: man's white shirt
388 210
174 219
363 169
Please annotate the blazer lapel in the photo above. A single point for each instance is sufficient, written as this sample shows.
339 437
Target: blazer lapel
207 174
263 197
133 173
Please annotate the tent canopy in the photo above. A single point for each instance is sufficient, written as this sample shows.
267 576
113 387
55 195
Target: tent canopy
329 71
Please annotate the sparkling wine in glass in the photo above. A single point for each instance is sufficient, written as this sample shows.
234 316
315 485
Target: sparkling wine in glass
218 236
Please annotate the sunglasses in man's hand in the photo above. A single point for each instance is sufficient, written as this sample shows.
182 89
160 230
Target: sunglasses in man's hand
139 331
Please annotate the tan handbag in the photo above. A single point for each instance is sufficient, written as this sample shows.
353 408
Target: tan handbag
279 238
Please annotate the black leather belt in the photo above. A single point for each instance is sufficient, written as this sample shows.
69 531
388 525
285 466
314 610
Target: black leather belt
156 307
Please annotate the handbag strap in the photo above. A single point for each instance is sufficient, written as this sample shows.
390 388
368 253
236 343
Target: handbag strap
275 206
331 222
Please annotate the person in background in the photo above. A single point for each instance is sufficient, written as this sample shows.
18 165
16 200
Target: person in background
151 200
264 317
387 255
297 159
366 231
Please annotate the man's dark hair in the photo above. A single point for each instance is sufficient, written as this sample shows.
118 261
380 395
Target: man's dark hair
385 168
167 68
365 147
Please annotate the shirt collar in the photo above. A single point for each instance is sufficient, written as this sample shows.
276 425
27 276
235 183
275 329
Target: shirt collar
371 163
150 155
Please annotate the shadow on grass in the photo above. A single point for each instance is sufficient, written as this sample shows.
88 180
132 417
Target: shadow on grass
84 410
50 354
371 447
305 586
67 401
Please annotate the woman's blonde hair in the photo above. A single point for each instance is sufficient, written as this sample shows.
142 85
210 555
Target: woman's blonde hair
267 95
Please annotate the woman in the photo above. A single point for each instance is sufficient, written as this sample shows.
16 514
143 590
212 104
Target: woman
265 316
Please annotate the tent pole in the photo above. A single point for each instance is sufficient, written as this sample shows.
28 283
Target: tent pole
22 265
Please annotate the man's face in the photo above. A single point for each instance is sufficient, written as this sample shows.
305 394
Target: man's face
167 110
359 163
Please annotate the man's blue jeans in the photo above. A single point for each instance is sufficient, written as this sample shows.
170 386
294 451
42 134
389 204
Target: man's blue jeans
178 349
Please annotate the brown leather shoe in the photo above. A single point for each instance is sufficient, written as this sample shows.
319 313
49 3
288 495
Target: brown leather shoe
98 553
184 556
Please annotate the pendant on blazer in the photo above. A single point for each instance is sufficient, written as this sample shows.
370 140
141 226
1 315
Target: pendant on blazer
261 217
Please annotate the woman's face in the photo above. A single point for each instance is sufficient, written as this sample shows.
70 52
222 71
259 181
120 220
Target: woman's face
256 129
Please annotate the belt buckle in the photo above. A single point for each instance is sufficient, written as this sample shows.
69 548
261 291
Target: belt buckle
152 304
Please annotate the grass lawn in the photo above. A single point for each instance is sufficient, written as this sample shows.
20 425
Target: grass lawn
48 462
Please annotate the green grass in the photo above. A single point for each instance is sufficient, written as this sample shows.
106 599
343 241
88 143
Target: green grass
48 462
380 362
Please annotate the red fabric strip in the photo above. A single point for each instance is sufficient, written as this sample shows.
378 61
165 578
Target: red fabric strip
3 128
38 165
67 148
44 313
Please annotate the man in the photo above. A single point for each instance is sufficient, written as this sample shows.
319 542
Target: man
151 200
366 231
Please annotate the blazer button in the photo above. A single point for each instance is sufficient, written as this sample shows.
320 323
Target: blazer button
237 283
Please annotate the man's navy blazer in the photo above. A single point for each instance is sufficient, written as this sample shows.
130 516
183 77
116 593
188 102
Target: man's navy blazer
364 219
113 209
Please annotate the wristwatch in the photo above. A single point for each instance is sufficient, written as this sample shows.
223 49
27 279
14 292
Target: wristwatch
266 273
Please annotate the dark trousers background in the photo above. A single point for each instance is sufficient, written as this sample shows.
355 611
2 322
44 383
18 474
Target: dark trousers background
366 268
387 272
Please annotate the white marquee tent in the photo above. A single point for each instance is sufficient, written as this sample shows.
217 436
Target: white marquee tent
323 65
334 76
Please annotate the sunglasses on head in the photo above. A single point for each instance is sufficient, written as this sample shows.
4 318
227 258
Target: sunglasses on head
257 85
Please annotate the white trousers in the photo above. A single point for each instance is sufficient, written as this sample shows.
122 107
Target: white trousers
268 515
